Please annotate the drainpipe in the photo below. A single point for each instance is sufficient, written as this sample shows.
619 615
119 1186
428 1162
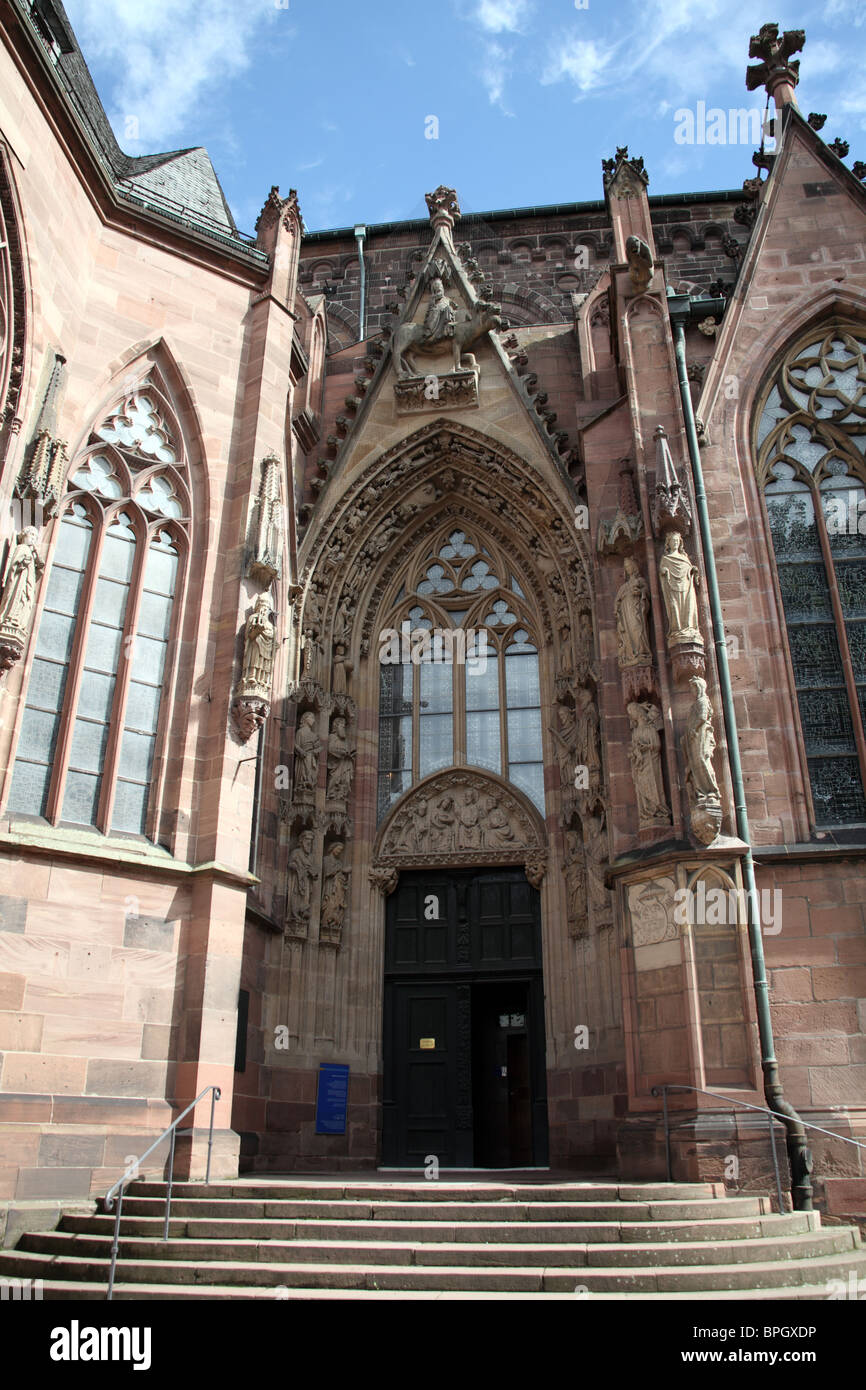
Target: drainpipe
682 307
360 234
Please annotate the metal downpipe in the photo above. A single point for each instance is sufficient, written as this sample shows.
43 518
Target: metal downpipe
799 1154
360 235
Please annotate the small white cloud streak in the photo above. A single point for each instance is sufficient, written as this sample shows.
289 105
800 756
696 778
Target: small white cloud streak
168 54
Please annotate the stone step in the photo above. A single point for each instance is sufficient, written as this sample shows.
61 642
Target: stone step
438 1191
73 1291
350 1209
596 1232
770 1274
832 1241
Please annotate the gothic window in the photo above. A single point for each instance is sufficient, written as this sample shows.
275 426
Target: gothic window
459 681
90 729
811 442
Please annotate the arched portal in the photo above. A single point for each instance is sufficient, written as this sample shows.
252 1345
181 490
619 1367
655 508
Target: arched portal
484 539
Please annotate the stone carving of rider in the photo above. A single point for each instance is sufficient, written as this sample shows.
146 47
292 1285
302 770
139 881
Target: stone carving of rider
441 314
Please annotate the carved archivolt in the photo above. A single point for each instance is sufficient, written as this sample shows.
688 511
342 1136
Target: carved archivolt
462 816
413 479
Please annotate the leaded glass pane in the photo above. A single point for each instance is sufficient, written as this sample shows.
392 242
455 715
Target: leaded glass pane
837 791
148 658
395 689
851 582
130 807
154 616
103 648
482 740
38 731
73 541
94 700
529 777
436 687
482 683
136 756
118 553
435 743
47 679
392 785
81 798
109 602
88 745
521 679
161 570
64 589
56 632
29 792
142 707
524 735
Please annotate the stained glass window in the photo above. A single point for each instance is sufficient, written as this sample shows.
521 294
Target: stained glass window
812 441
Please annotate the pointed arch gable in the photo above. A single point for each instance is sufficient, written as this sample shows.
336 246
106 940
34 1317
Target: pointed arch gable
406 492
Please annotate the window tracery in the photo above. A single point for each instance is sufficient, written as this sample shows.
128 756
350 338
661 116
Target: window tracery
90 728
811 438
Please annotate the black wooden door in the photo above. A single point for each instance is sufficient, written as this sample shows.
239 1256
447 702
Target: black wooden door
450 939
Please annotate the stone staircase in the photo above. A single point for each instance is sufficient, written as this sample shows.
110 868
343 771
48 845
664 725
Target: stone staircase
317 1238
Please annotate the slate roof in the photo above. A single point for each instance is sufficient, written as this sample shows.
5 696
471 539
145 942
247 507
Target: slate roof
182 184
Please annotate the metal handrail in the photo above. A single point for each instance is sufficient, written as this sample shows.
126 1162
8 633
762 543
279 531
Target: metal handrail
129 1176
732 1100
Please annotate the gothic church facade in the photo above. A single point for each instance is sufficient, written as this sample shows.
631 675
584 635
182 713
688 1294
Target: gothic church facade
378 609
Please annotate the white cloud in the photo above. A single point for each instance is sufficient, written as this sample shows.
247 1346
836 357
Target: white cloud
583 61
495 70
167 54
312 164
502 16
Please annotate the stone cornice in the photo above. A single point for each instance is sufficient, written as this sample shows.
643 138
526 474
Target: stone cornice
152 861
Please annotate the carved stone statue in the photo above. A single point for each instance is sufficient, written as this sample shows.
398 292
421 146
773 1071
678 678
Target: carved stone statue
632 608
335 895
340 668
699 744
566 738
341 762
498 830
252 699
443 819
312 651
441 314
575 885
646 764
470 820
586 750
640 263
258 667
302 876
306 758
595 844
18 597
679 578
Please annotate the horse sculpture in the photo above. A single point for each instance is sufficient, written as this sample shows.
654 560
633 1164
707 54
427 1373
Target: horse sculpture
414 338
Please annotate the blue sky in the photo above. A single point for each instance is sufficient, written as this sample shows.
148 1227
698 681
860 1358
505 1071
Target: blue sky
333 97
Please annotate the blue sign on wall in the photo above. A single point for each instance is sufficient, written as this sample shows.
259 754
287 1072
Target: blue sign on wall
331 1098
